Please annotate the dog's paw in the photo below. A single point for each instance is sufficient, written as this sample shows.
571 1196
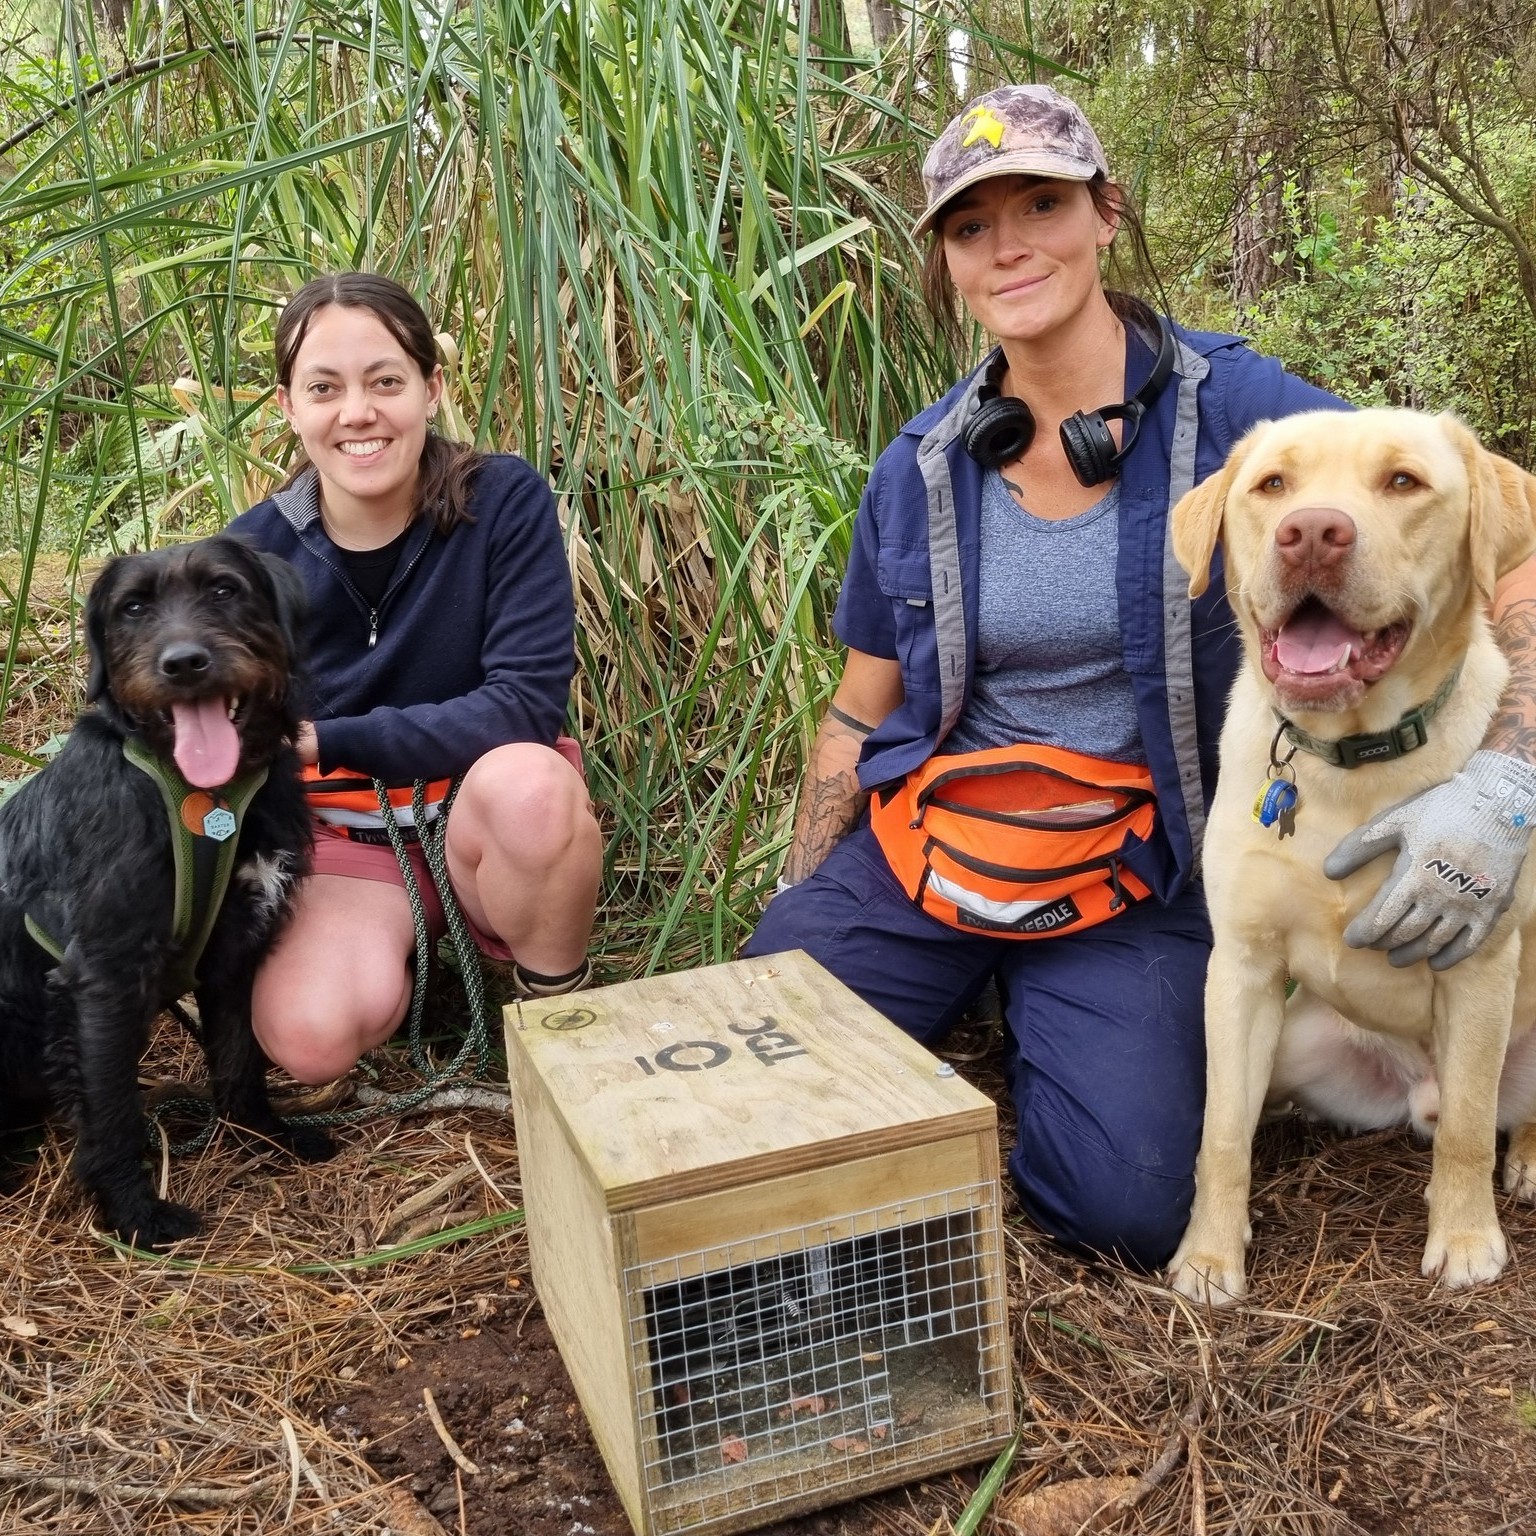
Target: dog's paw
1207 1278
1520 1164
306 1143
1460 1259
159 1222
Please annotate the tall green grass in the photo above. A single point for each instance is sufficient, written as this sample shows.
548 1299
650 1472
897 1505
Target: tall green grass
666 244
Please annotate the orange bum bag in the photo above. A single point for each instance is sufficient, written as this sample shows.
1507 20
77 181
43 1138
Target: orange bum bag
1018 842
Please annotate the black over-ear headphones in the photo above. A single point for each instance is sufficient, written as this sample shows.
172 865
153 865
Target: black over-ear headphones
1002 426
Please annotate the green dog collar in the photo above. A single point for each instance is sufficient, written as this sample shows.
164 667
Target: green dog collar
1409 734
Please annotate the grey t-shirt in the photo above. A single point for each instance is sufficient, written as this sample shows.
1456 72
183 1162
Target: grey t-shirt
1049 668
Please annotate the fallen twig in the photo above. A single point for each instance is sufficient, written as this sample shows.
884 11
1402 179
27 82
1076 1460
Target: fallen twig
460 1096
140 1493
491 1184
1189 1421
425 1199
449 1443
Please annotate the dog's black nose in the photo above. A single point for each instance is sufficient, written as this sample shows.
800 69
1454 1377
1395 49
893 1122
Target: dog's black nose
184 660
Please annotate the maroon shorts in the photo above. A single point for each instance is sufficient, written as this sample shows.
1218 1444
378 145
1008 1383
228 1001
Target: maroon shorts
336 854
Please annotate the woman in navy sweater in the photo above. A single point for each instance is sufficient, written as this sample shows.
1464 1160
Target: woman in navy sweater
441 643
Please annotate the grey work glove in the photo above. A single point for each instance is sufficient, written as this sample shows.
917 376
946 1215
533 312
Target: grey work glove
1460 847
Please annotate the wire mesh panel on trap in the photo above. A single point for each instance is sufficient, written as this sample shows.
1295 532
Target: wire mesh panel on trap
796 1361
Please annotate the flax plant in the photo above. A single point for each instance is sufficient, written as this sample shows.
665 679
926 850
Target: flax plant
665 242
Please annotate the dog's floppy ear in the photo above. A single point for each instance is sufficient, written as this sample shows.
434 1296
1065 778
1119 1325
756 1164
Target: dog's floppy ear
97 605
1502 514
284 586
288 596
1197 520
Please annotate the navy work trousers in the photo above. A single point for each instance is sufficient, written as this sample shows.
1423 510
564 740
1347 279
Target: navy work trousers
1105 1050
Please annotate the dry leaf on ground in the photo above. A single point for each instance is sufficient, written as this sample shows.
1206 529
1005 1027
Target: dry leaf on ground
1064 1509
405 1515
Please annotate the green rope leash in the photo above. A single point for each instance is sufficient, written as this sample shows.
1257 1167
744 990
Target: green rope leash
476 1043
434 843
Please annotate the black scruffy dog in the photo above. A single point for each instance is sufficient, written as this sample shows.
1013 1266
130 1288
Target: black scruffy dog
192 654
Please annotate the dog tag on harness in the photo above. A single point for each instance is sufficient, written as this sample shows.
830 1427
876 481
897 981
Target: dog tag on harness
1276 806
219 824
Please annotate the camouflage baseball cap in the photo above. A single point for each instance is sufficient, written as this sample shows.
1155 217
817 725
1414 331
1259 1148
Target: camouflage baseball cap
1028 130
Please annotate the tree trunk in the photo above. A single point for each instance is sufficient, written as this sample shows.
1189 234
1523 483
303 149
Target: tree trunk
1258 232
828 26
884 23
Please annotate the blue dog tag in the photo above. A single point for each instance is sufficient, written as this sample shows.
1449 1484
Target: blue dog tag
1277 804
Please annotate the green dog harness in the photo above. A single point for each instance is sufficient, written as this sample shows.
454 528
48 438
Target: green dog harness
205 831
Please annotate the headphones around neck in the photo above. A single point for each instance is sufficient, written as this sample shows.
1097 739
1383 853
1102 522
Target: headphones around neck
1002 427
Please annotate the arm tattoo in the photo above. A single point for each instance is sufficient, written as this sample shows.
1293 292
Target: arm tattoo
830 797
848 720
1514 726
828 810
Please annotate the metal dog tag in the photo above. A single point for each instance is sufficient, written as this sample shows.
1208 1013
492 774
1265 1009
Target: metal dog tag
1286 820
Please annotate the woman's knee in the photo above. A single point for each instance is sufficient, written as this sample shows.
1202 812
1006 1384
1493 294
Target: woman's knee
528 799
859 926
315 1024
1094 1202
788 922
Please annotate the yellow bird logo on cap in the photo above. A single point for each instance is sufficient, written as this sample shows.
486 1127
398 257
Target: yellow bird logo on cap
984 124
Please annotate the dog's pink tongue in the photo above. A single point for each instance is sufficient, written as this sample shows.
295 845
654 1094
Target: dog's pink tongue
1316 641
207 745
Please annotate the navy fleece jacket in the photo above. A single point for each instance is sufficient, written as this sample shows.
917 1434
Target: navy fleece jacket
472 645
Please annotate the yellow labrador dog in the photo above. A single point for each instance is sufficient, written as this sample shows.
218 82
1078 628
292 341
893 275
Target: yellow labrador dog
1361 550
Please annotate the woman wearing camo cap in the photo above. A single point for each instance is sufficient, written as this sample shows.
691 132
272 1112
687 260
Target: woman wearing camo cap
1024 660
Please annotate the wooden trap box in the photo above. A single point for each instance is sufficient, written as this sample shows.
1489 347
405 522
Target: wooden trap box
764 1228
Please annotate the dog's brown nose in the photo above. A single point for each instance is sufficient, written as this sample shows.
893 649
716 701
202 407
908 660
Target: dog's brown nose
1315 537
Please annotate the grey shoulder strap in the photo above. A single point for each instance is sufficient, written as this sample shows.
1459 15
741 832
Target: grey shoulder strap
944 551
1178 639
